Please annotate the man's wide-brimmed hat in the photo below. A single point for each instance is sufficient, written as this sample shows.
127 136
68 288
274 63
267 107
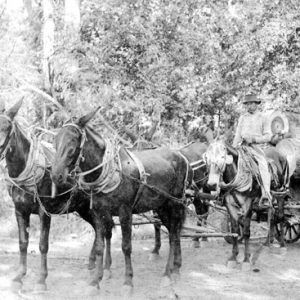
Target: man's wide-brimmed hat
251 98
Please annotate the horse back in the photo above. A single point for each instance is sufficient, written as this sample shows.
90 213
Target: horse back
166 169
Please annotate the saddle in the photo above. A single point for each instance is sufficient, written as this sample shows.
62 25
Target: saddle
273 168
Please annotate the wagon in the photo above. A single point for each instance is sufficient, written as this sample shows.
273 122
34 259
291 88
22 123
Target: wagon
287 123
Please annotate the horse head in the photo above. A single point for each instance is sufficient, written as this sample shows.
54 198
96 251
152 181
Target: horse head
216 158
69 144
7 126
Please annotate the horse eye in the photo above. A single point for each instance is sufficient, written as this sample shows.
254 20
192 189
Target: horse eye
71 152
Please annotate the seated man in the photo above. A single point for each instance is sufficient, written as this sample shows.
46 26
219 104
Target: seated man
252 131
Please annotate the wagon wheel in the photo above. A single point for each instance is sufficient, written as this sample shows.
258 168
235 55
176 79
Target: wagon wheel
226 227
291 232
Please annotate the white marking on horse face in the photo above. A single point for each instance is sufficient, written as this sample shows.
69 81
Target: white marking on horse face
216 154
213 177
216 159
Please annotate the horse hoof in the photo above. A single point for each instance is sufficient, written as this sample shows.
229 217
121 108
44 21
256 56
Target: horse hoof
195 244
16 286
283 250
91 266
246 266
231 264
168 293
127 291
154 257
92 272
106 274
275 249
92 290
40 287
165 282
175 277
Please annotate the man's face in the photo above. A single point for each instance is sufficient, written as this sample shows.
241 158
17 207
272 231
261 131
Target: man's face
251 107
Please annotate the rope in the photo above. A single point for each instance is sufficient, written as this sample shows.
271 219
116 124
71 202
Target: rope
243 179
109 178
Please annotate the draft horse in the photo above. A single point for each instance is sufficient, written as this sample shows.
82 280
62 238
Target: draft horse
121 182
29 185
193 152
241 189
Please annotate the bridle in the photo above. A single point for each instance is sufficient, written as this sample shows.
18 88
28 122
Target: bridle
220 167
5 147
80 156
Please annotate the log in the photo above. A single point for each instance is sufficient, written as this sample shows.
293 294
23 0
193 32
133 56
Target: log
216 234
135 223
198 229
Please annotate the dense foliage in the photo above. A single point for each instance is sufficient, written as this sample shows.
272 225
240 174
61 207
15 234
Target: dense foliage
170 61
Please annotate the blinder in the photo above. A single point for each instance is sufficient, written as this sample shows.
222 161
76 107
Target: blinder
4 147
78 156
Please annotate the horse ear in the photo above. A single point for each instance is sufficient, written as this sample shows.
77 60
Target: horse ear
85 119
11 113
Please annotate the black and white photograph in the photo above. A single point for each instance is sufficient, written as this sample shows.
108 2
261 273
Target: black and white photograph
149 149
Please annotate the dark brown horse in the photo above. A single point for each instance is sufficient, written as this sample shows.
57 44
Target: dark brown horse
241 189
122 183
193 152
29 185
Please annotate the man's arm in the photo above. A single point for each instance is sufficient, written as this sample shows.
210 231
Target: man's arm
237 137
266 135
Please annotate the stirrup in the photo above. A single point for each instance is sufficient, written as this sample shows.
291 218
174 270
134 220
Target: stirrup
264 202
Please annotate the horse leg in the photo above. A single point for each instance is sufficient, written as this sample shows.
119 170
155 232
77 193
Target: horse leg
166 219
45 222
230 204
125 217
281 201
155 251
177 225
23 220
108 260
92 257
246 266
271 228
98 249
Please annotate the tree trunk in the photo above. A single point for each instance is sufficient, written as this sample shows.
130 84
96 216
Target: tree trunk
48 43
28 8
72 28
72 19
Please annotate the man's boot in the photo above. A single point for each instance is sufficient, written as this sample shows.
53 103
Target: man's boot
264 201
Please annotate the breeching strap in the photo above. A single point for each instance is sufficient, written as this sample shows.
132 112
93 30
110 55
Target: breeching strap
143 177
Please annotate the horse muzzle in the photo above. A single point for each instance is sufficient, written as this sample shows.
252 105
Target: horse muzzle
59 177
213 182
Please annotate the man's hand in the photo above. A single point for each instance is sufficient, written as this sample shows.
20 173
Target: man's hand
249 139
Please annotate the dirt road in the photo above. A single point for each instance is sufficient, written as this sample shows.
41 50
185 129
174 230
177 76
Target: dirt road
204 274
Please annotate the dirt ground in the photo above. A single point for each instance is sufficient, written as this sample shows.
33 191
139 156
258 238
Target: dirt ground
204 274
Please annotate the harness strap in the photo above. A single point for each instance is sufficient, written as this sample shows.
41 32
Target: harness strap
143 176
187 172
195 165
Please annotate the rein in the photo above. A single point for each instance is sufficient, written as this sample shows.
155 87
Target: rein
109 178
